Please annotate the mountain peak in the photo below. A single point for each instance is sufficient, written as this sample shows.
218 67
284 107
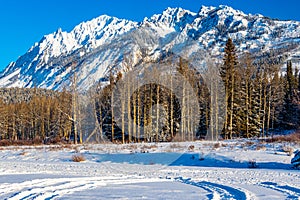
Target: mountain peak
170 18
228 9
204 10
172 11
222 9
97 46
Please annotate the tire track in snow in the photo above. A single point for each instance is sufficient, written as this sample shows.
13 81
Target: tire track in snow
218 191
51 188
291 192
57 187
55 191
6 188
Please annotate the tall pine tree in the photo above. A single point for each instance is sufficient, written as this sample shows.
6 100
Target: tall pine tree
289 118
227 72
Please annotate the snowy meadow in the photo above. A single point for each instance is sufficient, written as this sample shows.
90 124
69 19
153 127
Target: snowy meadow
235 169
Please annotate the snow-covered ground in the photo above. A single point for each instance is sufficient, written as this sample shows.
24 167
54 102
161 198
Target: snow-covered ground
189 170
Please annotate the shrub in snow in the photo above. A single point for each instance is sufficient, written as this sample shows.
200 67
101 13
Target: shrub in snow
217 146
261 148
294 137
78 158
191 148
296 160
23 153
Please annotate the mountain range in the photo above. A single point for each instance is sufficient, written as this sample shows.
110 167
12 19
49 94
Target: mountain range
96 48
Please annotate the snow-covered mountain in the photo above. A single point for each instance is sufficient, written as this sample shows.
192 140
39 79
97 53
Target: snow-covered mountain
95 48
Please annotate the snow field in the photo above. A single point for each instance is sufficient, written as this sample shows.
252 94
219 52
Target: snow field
189 170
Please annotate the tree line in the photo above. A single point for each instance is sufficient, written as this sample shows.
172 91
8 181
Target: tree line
258 99
163 109
34 115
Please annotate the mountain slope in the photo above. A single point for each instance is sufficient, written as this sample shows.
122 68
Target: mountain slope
47 58
95 48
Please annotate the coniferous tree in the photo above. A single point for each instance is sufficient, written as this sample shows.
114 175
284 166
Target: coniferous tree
256 96
289 113
274 99
227 72
246 72
237 103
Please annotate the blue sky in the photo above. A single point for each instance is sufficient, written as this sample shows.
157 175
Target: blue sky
24 22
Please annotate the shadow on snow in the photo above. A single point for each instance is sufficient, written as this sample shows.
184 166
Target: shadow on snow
182 159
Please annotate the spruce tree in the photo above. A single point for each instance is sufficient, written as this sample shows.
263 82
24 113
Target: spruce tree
256 102
276 99
247 98
290 108
227 72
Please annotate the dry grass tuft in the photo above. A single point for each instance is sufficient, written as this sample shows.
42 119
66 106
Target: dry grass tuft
23 153
191 148
20 142
175 146
78 158
294 137
152 146
132 147
216 145
224 145
261 147
249 143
